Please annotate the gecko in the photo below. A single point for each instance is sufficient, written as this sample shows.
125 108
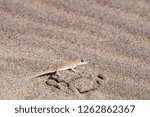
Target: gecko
69 65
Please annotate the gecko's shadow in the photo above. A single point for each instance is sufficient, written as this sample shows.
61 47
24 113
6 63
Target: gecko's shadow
55 80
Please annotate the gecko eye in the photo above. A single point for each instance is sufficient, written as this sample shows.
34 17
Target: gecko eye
82 60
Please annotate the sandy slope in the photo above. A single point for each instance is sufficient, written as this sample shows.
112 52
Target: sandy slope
113 35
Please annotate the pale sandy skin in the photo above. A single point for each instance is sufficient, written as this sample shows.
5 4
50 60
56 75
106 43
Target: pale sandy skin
71 64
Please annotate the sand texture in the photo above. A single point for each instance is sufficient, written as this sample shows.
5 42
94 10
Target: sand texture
112 35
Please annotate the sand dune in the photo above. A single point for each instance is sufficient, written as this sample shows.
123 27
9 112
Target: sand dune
113 36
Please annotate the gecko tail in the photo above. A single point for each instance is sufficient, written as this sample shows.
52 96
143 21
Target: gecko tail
40 74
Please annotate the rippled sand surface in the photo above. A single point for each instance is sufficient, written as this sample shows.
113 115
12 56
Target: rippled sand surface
112 35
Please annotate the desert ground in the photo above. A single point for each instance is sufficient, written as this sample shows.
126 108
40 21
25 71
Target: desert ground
112 35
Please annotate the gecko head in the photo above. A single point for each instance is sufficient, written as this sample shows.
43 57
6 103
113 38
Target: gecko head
82 62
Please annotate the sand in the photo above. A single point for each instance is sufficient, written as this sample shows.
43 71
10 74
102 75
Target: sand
112 35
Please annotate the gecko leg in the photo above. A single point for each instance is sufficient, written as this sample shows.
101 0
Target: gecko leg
73 69
58 74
